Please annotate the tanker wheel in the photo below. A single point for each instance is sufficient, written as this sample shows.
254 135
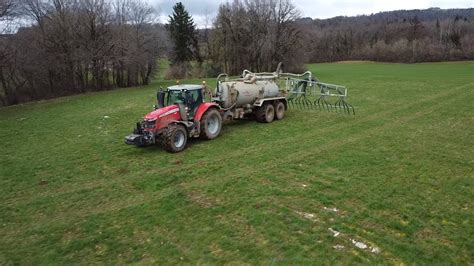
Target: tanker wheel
266 113
279 110
175 138
211 124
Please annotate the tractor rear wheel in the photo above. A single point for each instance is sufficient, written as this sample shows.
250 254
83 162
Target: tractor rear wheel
266 113
211 124
175 138
279 110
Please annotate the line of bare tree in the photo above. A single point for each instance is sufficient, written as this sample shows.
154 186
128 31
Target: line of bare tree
73 46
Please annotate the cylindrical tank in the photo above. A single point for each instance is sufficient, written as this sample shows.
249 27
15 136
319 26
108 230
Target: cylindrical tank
238 93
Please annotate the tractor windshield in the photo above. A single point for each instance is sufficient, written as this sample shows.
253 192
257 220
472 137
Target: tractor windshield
192 98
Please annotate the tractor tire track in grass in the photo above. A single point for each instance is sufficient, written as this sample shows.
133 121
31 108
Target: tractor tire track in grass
244 151
266 167
332 145
70 215
321 149
303 137
338 141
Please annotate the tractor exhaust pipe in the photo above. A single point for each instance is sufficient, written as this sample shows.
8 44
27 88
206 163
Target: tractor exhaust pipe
279 69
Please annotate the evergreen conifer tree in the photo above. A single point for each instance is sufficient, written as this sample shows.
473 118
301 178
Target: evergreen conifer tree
183 34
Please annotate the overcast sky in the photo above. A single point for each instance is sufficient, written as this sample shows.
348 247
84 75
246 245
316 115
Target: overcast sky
312 8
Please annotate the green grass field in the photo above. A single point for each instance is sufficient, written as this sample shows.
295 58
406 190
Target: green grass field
400 173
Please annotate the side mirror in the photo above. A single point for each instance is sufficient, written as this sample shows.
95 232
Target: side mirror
160 96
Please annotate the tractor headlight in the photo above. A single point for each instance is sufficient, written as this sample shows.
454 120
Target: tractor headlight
150 123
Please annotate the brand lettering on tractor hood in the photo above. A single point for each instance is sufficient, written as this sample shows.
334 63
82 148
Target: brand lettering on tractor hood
162 112
169 112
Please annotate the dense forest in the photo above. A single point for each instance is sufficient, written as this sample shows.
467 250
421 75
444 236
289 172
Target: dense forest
75 46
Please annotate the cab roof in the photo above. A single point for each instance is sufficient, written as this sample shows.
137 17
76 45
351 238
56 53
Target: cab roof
188 87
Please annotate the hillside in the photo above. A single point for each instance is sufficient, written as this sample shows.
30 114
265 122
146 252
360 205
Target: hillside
397 36
424 15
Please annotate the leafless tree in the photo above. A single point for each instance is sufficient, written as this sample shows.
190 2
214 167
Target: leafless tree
257 34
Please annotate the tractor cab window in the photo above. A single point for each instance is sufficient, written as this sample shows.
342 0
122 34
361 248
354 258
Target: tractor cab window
174 96
193 98
190 98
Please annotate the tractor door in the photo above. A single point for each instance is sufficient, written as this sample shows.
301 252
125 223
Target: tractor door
193 99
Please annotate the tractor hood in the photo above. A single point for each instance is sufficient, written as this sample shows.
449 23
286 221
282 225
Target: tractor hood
158 113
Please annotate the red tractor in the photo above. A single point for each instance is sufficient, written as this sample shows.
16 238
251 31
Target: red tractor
181 113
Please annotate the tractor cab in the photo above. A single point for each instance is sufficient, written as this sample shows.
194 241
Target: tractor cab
187 97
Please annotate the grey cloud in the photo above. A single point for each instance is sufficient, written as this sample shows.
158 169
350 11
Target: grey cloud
312 8
199 8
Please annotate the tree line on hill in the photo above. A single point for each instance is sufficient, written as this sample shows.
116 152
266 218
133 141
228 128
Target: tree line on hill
74 46
259 34
397 36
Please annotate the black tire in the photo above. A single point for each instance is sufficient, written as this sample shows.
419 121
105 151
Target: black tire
279 110
266 113
211 124
175 137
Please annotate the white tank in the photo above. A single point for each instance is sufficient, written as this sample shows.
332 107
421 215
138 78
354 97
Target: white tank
237 93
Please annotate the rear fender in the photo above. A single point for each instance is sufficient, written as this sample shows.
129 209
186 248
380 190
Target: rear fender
203 108
260 102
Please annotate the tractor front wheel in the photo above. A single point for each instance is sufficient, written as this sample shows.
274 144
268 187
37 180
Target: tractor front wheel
265 113
175 138
211 124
